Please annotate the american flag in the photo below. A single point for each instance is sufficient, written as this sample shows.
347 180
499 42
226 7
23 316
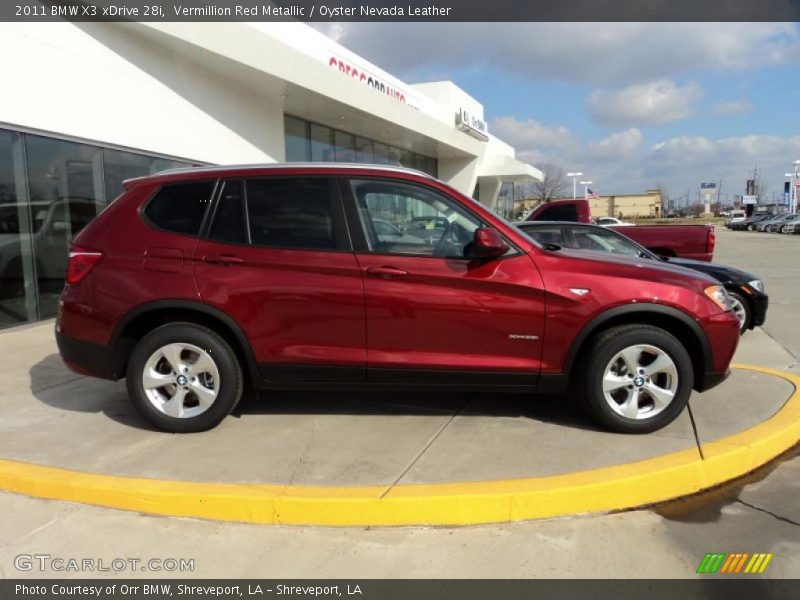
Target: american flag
590 195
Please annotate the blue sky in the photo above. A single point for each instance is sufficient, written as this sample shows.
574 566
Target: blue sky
632 105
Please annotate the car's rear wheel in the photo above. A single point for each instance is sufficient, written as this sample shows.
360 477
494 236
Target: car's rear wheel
741 307
637 378
183 378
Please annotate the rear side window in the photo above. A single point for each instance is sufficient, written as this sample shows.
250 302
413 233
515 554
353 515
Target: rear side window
291 213
547 235
180 208
563 212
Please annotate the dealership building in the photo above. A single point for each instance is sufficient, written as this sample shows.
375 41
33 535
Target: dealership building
87 105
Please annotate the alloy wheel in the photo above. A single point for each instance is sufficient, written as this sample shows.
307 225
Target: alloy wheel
640 381
181 380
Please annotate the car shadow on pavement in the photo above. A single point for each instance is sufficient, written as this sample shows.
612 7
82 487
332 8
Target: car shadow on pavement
52 384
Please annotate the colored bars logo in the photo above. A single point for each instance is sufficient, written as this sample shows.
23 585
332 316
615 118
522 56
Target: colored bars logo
720 562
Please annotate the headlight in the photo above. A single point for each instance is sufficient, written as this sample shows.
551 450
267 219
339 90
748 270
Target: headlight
718 295
757 284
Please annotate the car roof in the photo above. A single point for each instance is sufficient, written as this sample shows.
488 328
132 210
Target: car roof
254 168
570 223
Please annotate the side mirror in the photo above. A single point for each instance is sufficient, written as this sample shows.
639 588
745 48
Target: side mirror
488 243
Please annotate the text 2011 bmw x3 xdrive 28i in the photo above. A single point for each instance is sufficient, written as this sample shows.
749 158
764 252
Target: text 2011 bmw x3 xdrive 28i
196 282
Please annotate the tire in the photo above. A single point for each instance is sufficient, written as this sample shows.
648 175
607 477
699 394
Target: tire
209 390
743 311
607 358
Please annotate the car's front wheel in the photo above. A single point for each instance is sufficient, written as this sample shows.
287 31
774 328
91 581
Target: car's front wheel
636 379
184 378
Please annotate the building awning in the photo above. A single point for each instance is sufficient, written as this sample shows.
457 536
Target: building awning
506 168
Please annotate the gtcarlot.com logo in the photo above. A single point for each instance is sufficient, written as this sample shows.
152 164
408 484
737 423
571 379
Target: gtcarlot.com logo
58 564
717 563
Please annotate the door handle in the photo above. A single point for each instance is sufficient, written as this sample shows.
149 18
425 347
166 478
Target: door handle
386 272
223 259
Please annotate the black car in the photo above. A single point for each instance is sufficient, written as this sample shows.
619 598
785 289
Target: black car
749 223
746 291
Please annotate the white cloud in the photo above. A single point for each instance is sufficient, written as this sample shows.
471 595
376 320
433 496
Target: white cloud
531 134
655 102
597 53
622 163
732 107
616 145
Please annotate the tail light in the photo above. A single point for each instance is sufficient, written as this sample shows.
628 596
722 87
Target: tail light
80 264
711 240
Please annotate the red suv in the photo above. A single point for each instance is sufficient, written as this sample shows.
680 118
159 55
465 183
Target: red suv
197 282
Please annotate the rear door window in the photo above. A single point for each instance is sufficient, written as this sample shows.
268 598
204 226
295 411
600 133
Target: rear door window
548 235
292 213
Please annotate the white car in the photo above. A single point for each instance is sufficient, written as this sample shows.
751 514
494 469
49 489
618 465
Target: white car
611 222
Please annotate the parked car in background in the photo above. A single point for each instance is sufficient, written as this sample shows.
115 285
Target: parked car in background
770 225
750 301
776 226
791 226
735 216
611 221
196 282
750 222
684 241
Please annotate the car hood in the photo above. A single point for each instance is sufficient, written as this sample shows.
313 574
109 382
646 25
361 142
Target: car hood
721 272
642 268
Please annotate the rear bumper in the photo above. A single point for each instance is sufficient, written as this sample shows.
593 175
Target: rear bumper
85 358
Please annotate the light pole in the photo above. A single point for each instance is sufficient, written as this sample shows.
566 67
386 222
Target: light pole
586 185
575 183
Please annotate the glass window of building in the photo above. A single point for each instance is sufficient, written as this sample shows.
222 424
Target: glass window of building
380 154
363 150
395 156
321 143
505 200
17 275
345 147
310 141
66 191
298 148
49 190
119 166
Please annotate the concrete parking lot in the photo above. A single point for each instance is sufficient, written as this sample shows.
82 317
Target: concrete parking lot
758 514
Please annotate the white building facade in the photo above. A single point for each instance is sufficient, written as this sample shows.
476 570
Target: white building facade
87 105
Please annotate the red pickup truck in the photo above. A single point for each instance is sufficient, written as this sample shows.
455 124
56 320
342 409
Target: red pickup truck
683 241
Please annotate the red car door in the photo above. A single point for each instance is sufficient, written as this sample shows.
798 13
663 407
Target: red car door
429 309
278 261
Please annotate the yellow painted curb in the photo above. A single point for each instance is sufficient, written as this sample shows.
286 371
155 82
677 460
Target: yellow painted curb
598 490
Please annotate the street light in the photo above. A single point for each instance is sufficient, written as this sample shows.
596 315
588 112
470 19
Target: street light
586 185
575 183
